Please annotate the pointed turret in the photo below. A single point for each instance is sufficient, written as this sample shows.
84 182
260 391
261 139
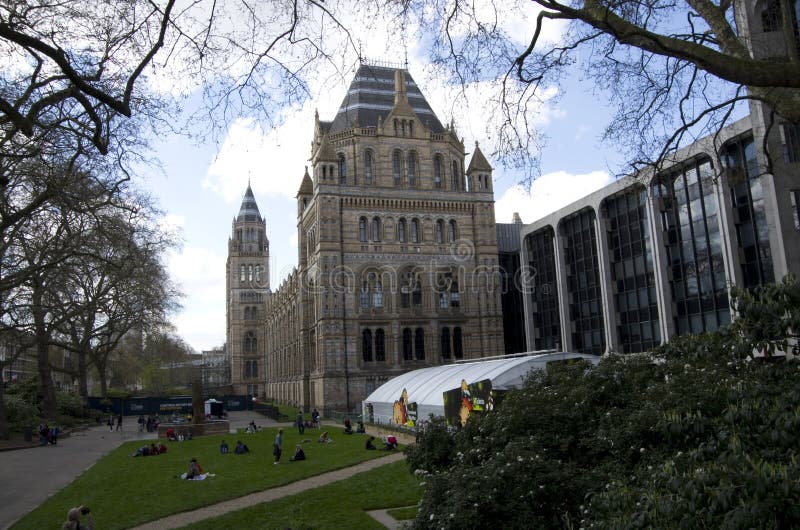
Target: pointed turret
306 186
249 209
479 172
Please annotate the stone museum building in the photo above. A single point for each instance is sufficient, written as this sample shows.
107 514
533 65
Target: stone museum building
398 257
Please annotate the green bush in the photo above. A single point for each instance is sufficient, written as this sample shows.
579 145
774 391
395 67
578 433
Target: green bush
70 405
20 412
692 436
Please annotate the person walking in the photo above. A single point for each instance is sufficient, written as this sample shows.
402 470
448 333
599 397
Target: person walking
119 422
110 423
276 450
301 428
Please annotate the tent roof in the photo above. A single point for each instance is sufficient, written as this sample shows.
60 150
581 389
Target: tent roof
426 386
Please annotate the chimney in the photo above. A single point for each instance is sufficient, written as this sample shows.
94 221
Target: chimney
400 88
516 219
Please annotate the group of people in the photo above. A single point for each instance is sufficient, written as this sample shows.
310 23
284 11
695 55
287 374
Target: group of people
151 423
47 434
389 443
240 448
173 436
348 427
252 428
151 450
110 422
302 424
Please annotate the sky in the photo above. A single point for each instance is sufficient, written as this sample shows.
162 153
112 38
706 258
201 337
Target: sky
200 186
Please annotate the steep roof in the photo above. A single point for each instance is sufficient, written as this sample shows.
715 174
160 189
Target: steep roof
371 94
249 209
478 161
306 187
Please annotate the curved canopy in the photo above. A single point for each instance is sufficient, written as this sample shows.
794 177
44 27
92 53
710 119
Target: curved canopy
427 385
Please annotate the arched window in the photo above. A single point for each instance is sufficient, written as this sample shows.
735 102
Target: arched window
250 273
368 167
324 172
419 344
362 229
411 129
366 345
247 313
437 171
415 231
455 178
458 350
397 168
407 346
380 345
254 313
342 170
439 231
412 169
364 298
376 229
445 343
451 231
401 230
250 342
242 273
258 272
771 16
377 294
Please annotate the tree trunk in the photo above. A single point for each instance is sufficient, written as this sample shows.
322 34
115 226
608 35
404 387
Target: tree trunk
83 389
198 410
47 391
3 423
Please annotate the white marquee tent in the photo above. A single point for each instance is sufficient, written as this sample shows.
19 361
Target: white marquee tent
426 386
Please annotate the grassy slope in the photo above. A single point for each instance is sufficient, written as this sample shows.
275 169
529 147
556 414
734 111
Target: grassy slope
340 505
124 491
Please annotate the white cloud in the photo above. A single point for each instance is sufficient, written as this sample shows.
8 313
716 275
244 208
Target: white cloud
271 160
200 274
548 193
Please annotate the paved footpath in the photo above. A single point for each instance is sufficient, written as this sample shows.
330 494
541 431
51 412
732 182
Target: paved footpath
29 476
186 518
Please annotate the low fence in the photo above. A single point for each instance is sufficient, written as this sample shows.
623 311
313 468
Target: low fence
162 405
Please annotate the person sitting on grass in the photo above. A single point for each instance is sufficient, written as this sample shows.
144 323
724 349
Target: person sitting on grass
324 438
299 454
241 448
369 446
195 470
223 447
390 443
170 434
348 427
360 427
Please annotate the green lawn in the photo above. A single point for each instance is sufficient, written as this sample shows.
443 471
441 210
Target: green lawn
341 505
124 491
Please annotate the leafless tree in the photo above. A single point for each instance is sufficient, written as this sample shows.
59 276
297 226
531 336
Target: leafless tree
674 70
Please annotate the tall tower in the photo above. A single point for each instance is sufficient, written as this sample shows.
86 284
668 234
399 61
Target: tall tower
397 251
247 291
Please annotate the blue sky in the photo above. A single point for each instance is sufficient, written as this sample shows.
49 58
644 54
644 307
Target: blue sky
201 186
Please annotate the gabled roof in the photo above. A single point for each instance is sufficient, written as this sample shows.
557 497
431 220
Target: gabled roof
371 94
249 209
478 161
